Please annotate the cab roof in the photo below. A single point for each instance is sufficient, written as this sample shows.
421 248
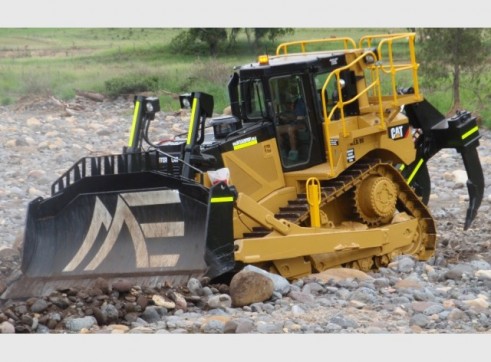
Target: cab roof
298 61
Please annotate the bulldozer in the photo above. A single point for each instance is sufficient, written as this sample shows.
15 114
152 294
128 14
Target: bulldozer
320 163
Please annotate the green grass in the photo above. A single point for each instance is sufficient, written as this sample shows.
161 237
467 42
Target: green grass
59 61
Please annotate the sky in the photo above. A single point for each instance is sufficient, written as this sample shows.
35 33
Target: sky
249 13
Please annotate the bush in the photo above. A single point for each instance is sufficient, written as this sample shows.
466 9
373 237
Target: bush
6 101
185 44
131 85
34 83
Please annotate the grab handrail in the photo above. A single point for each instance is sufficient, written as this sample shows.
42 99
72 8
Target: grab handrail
303 43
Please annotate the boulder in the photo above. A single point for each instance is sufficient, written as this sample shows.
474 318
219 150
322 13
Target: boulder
247 287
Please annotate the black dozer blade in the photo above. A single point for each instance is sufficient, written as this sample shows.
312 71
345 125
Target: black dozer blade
460 132
148 227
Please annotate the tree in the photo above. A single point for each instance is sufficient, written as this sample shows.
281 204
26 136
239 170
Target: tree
210 36
190 41
232 37
454 51
272 34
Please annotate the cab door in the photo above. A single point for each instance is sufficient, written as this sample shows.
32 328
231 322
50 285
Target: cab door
296 123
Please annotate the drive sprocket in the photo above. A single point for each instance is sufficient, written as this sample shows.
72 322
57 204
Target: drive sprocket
375 200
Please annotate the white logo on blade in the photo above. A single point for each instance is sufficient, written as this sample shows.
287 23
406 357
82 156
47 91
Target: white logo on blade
138 232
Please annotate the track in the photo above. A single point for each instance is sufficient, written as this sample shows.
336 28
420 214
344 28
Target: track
351 185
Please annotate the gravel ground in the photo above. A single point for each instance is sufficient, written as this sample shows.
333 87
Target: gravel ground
447 295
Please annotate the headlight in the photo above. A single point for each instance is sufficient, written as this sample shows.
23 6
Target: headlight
152 105
185 100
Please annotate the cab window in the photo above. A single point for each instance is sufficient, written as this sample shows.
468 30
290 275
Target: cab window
293 133
252 95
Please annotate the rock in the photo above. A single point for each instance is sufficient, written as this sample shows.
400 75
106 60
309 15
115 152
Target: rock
8 253
151 314
244 326
103 285
458 271
178 299
403 264
222 301
39 306
408 283
122 285
110 313
194 286
364 295
480 303
213 326
163 301
230 326
459 177
339 274
77 324
247 287
302 297
33 123
420 320
483 274
6 328
142 301
281 284
3 284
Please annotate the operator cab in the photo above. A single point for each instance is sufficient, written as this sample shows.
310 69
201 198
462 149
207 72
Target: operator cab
286 92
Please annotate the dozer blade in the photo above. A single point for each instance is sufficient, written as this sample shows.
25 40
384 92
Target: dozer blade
149 228
460 132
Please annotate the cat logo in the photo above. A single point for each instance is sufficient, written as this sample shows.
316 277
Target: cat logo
139 232
398 132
